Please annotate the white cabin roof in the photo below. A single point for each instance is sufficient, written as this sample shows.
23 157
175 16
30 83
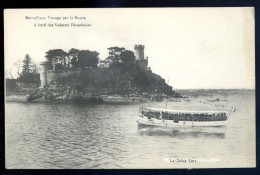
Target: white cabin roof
181 111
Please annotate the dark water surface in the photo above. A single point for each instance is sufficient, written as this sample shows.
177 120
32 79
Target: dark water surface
51 135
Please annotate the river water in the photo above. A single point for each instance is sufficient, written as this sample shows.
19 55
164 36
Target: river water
76 136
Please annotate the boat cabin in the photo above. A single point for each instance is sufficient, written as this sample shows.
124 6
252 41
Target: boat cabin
182 115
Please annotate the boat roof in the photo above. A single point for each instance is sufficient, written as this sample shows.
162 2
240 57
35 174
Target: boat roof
183 111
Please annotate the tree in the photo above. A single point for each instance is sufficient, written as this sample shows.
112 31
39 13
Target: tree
127 56
57 56
87 58
27 65
18 65
114 54
30 72
119 57
35 69
10 73
74 61
73 54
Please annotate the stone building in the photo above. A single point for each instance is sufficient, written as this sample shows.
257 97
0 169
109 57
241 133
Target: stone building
140 58
46 75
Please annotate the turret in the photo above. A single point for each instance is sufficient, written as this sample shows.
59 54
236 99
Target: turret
139 52
44 67
139 56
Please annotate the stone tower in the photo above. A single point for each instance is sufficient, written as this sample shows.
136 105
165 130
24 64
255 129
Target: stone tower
44 67
139 52
139 56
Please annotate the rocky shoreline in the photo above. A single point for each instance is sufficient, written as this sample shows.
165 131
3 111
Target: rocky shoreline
100 99
16 98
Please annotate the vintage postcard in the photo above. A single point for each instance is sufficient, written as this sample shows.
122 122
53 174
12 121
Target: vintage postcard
129 88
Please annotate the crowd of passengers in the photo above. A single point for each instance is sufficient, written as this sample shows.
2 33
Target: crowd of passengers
185 116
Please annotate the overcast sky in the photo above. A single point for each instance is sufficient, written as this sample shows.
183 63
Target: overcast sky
190 47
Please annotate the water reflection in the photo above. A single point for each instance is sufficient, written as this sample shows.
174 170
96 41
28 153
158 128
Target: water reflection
69 135
214 132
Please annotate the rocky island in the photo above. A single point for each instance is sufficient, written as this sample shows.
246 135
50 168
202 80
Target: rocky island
81 76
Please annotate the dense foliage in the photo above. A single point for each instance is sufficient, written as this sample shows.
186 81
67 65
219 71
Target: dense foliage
121 73
74 58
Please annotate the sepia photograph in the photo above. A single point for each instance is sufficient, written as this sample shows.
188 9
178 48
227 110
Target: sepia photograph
130 88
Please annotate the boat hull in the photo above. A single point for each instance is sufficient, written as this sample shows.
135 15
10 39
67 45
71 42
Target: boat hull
144 121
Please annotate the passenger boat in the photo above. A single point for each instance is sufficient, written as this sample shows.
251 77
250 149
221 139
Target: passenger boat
178 118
